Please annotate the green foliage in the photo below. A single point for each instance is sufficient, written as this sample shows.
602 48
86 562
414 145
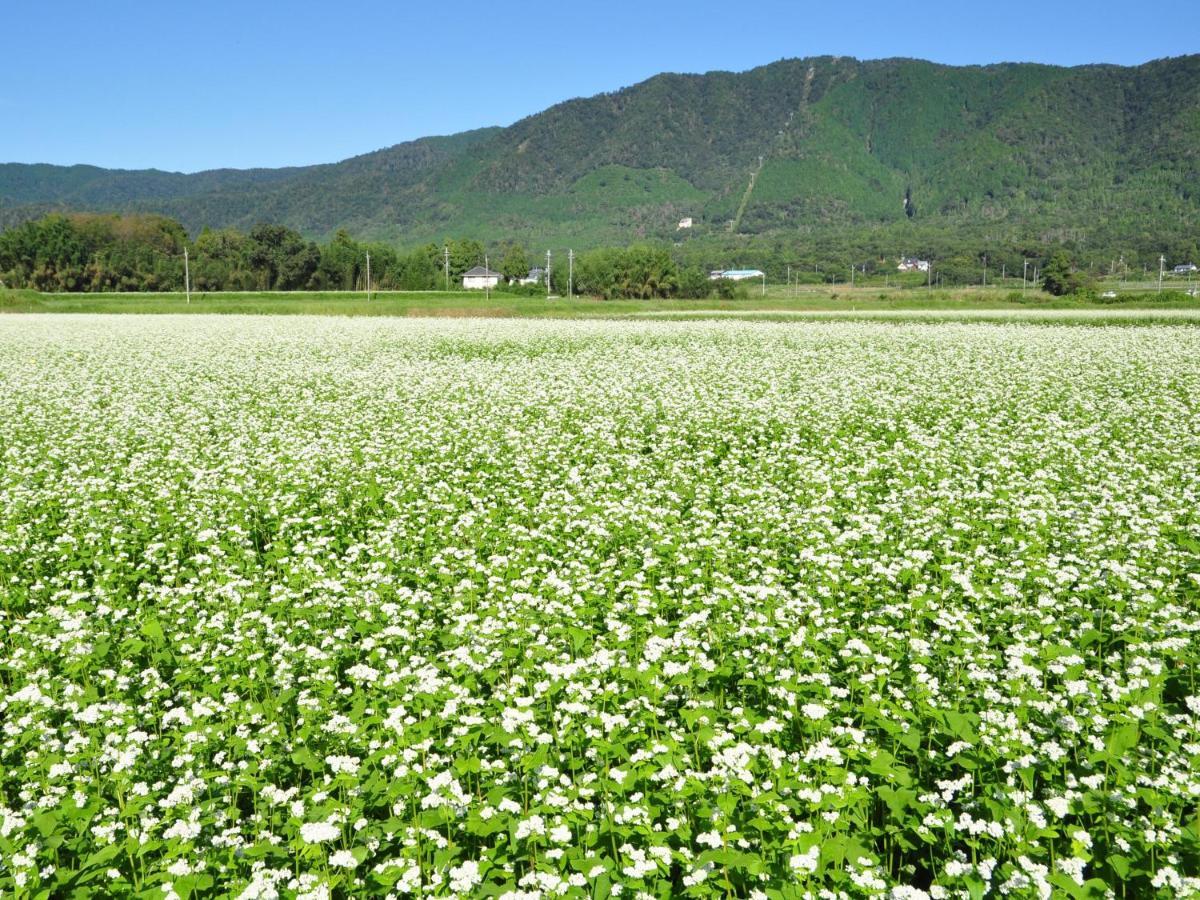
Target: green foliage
642 271
514 264
84 252
694 283
90 252
391 608
1059 277
285 259
465 253
87 252
343 264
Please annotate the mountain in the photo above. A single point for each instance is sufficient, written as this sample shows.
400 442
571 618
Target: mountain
797 146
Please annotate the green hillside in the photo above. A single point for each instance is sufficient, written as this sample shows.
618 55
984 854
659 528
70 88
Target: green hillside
1090 154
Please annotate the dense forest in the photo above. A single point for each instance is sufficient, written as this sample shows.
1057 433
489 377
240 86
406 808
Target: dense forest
93 252
875 158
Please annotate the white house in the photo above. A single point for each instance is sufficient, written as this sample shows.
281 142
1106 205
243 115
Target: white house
684 223
1185 269
912 264
480 278
735 274
536 276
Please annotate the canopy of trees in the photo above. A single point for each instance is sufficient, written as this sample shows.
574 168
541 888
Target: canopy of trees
94 252
144 252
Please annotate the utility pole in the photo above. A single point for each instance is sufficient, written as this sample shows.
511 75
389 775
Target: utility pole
985 270
187 282
929 276
368 277
852 276
487 278
570 274
1024 272
547 273
446 257
1162 261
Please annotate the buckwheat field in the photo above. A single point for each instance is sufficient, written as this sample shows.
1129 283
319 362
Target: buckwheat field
361 608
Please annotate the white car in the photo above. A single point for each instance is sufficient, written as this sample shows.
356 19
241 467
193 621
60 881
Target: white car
1109 294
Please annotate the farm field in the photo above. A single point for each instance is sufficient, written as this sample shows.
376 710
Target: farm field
835 299
337 607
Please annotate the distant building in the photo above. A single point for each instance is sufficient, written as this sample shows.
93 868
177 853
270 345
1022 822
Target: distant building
735 274
536 276
1185 269
912 264
684 223
480 278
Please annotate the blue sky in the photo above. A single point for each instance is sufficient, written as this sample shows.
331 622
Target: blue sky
207 84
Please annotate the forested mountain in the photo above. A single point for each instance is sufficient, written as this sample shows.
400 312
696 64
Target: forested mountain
1099 154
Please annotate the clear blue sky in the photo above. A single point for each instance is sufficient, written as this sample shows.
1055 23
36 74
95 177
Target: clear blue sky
188 86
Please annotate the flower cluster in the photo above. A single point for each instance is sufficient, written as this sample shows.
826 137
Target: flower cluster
344 608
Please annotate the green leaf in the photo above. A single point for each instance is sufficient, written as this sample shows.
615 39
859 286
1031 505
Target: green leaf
153 630
1121 740
304 757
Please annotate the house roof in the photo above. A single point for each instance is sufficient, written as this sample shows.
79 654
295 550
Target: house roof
480 272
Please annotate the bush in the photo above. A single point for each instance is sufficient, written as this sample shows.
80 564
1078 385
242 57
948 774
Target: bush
727 289
1060 278
694 284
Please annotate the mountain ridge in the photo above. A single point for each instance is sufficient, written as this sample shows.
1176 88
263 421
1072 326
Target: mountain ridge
833 142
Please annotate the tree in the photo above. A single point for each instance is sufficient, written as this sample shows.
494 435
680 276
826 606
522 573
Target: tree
1058 277
641 271
515 264
464 254
418 271
694 284
342 260
285 261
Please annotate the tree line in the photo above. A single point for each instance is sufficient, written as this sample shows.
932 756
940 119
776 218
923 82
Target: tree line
141 252
88 252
